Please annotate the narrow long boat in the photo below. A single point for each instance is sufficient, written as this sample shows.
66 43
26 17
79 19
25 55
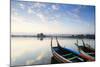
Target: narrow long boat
86 50
65 55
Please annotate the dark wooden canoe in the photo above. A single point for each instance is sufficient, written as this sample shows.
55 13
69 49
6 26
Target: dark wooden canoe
64 55
86 50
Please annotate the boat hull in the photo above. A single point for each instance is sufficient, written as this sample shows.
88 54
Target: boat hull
59 58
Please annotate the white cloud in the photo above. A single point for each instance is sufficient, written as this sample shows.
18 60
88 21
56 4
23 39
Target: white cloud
42 17
72 15
39 5
22 6
75 13
55 7
77 10
30 11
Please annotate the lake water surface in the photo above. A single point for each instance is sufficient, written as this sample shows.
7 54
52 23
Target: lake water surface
30 51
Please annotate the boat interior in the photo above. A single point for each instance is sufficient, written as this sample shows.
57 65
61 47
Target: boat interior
68 55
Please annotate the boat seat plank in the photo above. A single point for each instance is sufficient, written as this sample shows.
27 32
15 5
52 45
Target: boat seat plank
90 53
67 54
72 58
77 60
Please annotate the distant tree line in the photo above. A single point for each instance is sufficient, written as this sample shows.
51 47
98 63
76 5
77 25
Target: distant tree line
41 35
88 36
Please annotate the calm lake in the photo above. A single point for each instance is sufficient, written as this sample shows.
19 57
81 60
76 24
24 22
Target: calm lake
30 51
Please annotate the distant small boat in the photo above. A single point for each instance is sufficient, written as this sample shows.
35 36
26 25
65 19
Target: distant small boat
64 55
87 50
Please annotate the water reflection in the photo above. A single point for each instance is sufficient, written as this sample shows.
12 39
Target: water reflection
30 51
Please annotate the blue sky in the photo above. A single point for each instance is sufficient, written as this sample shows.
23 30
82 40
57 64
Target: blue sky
35 17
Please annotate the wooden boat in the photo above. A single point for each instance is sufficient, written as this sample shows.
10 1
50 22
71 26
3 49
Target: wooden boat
86 50
65 55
